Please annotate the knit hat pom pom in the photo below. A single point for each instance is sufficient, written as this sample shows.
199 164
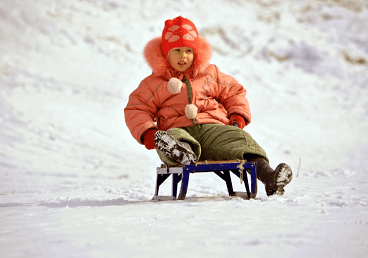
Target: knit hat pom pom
191 111
174 86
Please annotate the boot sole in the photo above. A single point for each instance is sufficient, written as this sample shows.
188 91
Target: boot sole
284 175
174 149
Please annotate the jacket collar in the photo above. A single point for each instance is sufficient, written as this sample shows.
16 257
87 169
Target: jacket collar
161 68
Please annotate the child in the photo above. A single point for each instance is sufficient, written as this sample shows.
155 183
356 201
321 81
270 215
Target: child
190 111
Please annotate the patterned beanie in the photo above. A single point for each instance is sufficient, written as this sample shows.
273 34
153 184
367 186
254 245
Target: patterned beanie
179 32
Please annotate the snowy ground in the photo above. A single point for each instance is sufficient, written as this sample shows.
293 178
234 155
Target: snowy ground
74 183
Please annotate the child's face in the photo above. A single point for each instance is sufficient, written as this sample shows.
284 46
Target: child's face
181 58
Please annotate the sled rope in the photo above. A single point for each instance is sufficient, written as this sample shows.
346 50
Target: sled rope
241 171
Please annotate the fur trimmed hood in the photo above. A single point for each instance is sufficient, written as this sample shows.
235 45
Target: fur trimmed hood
160 66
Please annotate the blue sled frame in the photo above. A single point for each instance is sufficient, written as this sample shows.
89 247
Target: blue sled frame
240 168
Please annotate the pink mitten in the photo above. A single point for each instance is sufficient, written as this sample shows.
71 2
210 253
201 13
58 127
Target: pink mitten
237 119
148 139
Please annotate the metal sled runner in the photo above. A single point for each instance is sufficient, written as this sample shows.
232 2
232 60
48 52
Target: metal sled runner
220 168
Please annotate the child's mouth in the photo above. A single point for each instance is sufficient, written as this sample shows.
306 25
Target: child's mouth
182 63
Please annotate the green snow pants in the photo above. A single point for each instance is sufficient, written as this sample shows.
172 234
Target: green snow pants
216 142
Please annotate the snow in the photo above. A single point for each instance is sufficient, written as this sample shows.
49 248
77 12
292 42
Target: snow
74 183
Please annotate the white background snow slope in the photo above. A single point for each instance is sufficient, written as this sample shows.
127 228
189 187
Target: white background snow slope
74 183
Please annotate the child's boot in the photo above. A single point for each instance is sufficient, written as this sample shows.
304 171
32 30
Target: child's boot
274 180
179 151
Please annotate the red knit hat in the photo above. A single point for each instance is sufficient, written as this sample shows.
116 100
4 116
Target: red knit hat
179 32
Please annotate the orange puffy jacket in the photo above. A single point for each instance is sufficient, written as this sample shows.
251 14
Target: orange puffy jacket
215 94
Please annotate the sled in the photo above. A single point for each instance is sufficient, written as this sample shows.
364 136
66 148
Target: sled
220 168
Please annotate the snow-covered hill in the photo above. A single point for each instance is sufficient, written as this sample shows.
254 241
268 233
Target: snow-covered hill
74 183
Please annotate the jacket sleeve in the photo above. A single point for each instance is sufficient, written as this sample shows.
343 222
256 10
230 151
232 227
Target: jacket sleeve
140 112
232 96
